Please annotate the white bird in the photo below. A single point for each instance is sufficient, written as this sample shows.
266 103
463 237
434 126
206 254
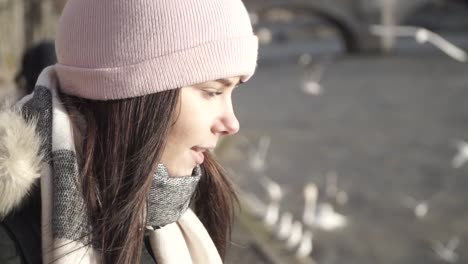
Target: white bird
285 226
312 87
295 236
304 60
258 155
462 155
420 208
322 216
271 215
310 204
254 19
447 252
264 35
313 74
275 194
422 35
329 220
305 246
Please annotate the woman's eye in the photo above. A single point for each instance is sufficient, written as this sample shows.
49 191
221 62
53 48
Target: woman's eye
210 93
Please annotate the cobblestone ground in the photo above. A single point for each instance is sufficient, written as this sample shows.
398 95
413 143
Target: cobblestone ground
387 127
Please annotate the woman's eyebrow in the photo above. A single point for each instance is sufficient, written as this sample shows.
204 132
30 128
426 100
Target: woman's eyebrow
222 83
225 82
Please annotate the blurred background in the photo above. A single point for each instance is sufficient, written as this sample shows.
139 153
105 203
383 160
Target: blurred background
352 146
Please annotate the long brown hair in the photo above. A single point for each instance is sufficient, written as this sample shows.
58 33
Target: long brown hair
123 144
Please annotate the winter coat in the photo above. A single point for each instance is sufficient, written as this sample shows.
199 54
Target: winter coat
20 228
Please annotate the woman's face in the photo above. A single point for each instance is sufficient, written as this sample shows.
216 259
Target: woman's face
205 114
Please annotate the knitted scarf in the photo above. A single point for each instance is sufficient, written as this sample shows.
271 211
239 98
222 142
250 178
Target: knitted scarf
65 225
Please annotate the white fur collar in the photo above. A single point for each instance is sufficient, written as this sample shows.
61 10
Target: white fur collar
20 159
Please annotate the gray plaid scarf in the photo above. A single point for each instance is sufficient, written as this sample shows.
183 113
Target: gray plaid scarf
180 236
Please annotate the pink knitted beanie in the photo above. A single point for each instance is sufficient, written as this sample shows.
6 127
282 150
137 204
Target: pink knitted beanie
114 49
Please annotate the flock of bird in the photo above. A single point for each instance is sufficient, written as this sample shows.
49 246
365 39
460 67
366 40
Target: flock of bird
297 235
315 70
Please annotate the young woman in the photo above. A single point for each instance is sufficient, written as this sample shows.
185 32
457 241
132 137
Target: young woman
101 162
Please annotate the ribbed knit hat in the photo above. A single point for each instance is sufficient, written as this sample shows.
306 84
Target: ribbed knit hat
114 49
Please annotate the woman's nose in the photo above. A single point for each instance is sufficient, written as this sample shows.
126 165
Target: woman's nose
227 124
231 125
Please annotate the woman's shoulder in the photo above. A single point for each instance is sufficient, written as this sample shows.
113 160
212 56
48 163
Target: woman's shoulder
8 248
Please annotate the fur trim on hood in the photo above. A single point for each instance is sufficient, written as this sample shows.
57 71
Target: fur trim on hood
20 159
